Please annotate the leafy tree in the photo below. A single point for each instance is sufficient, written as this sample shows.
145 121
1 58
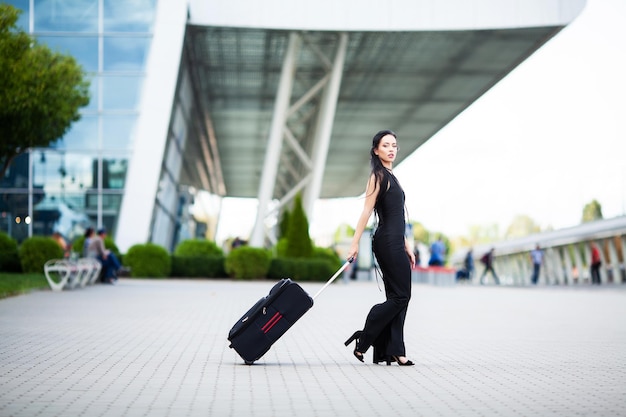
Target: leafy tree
299 245
36 251
420 233
343 231
481 234
592 211
521 226
42 91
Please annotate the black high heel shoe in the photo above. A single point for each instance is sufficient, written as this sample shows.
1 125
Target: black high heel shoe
406 363
355 336
358 355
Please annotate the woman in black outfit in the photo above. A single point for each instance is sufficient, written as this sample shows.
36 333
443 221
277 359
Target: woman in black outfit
384 326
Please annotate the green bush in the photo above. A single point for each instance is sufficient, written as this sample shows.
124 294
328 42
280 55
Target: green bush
198 266
9 255
280 249
77 245
329 255
301 269
148 261
197 247
246 262
36 251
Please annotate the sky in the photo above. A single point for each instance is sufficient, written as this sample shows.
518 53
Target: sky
546 140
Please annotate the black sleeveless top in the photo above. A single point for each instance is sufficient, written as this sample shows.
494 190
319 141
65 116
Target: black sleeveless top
390 206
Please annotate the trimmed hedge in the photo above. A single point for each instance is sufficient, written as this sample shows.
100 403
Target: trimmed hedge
36 251
77 245
301 269
9 255
198 247
148 261
329 255
246 262
280 249
198 258
198 266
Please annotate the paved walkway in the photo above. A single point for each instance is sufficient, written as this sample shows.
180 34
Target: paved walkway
159 348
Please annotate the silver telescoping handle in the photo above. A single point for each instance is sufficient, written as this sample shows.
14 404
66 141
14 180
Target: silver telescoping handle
343 267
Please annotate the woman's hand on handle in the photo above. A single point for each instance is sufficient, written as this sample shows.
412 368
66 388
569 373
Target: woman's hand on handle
353 251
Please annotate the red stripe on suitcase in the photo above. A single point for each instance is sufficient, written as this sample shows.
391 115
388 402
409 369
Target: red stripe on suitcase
271 322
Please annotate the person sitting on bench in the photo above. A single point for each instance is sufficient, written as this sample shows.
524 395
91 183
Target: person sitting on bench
109 261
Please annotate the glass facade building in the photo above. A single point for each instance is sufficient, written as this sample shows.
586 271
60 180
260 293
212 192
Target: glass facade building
80 179
195 100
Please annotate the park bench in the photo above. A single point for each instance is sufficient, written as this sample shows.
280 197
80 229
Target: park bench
69 274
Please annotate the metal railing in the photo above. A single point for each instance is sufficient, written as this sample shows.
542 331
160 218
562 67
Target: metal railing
567 255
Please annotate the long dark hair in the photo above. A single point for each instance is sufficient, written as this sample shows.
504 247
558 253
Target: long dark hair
377 167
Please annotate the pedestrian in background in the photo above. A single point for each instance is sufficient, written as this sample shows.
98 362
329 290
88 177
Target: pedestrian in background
437 253
110 264
596 262
487 260
468 267
58 238
536 256
416 253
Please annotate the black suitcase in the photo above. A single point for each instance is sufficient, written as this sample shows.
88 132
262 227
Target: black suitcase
257 330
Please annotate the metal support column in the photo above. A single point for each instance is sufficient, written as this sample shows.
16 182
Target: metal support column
324 126
623 252
613 262
603 275
581 265
567 260
272 154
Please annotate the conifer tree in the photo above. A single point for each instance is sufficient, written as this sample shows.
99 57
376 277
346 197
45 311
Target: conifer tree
299 241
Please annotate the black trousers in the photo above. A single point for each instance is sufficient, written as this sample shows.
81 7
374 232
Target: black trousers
384 325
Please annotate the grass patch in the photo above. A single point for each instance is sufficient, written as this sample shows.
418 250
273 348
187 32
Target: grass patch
14 284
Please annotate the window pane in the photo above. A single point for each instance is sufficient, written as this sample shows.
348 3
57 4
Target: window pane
13 217
93 93
83 48
66 16
58 172
17 174
111 203
121 93
129 15
64 212
125 54
83 135
114 173
23 5
118 131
